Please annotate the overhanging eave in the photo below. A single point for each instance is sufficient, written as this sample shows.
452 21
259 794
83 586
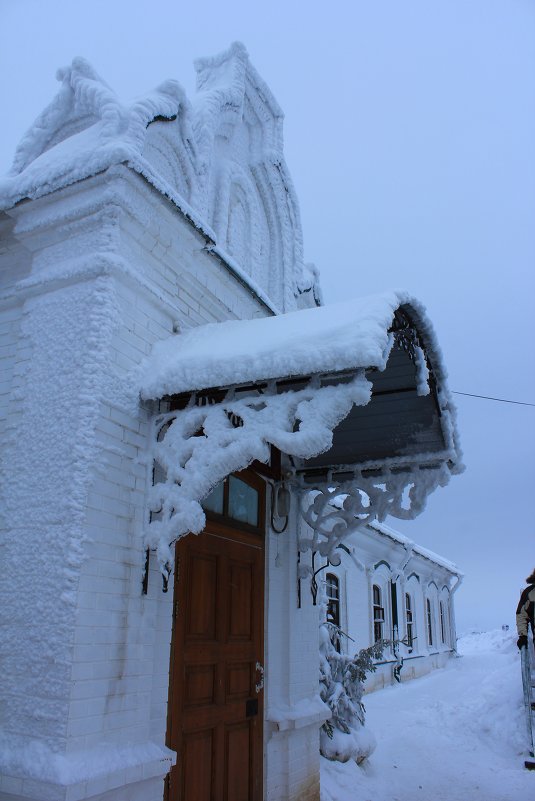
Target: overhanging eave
378 423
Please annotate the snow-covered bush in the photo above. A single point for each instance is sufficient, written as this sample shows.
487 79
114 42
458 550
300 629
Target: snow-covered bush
345 736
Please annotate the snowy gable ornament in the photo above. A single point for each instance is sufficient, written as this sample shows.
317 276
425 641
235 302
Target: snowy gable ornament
218 158
85 130
354 392
245 187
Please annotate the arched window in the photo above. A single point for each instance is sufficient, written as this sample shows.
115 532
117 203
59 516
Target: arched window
332 590
429 622
378 614
442 622
409 617
332 587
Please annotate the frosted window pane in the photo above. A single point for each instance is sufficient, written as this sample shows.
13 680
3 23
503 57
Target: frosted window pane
214 501
242 502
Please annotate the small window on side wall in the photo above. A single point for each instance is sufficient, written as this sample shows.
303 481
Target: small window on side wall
332 586
442 622
378 614
409 617
429 621
332 590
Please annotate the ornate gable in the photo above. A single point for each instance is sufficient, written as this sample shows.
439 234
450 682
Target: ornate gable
245 188
220 159
87 129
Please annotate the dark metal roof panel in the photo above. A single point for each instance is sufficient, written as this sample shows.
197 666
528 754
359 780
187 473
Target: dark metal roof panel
396 423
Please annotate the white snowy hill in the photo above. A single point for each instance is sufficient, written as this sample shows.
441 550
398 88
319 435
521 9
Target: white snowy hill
457 734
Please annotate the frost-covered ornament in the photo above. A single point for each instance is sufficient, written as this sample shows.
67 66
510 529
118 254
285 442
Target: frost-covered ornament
334 512
197 447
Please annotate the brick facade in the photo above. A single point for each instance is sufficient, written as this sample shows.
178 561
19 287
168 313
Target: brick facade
114 268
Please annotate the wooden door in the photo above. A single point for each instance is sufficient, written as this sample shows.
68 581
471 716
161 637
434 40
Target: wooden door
215 701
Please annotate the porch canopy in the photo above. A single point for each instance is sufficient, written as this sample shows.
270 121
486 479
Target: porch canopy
354 393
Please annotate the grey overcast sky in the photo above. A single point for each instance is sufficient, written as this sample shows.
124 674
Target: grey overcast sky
410 136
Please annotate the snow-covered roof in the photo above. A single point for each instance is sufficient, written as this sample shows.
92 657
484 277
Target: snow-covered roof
82 131
334 338
431 556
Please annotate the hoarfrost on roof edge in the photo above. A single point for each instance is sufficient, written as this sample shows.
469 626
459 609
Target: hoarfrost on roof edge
333 338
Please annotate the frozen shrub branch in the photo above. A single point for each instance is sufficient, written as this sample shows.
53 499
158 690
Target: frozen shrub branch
342 677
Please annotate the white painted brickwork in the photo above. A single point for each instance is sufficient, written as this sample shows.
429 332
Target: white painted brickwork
293 671
115 242
9 337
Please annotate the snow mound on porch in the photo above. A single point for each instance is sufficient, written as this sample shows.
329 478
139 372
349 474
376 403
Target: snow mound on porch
341 336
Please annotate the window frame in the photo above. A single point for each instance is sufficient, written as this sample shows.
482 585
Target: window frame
332 580
409 621
252 479
429 616
442 612
378 613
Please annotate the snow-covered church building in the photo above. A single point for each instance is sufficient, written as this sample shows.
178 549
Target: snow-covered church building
188 437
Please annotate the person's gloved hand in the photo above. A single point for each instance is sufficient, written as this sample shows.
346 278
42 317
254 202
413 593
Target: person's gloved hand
522 641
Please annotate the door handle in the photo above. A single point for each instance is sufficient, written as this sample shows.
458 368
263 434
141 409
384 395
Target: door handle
259 669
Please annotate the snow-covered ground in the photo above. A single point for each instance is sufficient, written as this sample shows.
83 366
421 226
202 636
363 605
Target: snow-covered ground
457 734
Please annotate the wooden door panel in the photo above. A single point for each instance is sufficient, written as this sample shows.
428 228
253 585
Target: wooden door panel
215 715
201 622
199 685
238 762
239 681
241 606
197 759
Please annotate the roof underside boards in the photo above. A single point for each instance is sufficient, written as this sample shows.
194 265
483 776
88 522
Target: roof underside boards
396 423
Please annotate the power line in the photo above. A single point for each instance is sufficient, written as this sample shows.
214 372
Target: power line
487 397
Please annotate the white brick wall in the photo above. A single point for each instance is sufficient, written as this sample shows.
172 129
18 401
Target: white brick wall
292 668
115 641
9 337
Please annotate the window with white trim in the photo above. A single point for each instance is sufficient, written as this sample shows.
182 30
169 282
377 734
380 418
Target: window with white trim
442 621
429 611
409 619
378 613
332 591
